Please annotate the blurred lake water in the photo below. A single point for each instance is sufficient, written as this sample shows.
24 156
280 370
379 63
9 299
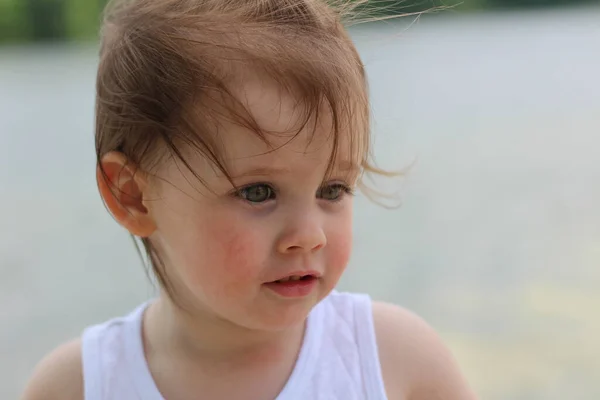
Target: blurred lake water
497 243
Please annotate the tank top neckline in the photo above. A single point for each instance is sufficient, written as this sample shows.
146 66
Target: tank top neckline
141 377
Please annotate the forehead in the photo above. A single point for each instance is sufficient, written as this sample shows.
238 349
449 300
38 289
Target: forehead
289 130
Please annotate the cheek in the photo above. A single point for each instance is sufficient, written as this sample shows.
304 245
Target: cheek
237 248
339 242
341 248
233 252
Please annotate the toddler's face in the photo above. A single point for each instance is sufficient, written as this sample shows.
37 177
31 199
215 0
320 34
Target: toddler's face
224 249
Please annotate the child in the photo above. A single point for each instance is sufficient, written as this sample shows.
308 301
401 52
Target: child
230 137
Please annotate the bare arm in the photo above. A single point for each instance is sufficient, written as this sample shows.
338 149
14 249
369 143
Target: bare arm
58 376
415 363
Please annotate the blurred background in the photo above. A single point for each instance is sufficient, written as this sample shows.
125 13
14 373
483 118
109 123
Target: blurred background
497 242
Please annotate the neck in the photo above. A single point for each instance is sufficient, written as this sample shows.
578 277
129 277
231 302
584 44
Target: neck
204 336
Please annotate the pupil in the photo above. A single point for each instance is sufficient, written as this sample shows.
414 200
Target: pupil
331 192
258 193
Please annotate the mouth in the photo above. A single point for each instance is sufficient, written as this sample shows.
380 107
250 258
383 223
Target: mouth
294 286
296 278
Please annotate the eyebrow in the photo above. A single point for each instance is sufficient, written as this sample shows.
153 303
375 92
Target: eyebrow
262 171
343 166
347 166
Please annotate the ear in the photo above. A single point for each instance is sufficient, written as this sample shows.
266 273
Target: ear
123 187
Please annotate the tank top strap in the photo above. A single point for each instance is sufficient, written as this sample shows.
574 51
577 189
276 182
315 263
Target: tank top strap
136 364
367 347
113 357
91 358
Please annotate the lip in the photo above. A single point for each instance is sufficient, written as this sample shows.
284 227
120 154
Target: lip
294 289
314 274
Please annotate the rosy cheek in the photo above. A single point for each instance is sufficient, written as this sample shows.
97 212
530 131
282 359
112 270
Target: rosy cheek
340 248
235 250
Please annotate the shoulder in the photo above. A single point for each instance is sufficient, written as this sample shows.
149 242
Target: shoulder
415 363
59 375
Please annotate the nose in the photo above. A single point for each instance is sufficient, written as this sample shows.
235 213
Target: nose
304 234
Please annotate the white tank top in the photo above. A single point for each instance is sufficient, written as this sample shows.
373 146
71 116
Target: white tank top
338 359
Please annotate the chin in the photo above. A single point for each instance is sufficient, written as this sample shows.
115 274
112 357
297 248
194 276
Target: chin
281 315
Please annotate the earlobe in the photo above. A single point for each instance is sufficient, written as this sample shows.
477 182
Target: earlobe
122 187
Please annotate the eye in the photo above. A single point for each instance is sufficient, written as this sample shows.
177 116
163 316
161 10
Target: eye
257 193
333 192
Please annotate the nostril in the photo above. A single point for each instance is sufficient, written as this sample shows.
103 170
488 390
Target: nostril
301 248
298 242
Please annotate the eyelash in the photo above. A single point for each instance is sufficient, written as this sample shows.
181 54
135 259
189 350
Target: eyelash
346 190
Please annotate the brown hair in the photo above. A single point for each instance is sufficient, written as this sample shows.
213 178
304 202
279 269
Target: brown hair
166 67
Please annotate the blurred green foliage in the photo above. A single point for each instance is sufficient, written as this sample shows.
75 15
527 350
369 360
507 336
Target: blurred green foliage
397 7
42 20
48 20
